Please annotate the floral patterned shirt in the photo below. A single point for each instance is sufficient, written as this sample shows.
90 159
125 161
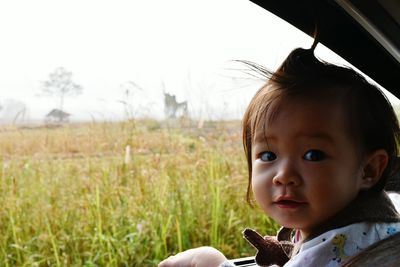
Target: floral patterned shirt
332 248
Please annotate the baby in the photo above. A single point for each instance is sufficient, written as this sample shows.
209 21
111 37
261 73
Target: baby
321 144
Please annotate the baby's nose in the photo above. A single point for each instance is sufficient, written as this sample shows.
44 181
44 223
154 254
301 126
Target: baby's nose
287 174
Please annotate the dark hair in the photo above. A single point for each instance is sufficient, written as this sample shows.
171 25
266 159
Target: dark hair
372 122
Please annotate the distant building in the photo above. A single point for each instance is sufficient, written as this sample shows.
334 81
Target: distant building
57 116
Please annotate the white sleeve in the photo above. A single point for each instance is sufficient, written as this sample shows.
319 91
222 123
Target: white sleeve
226 264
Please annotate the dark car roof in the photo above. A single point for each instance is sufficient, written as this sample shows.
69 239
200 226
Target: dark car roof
365 33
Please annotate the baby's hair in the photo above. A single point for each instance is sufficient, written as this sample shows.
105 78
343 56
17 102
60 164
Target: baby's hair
371 121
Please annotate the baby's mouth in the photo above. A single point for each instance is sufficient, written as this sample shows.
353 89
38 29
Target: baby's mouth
289 203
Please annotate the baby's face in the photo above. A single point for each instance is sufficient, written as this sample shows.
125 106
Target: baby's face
305 165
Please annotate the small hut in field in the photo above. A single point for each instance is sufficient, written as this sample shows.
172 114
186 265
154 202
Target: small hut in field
57 116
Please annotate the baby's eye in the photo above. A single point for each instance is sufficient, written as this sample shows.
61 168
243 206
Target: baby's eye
267 156
314 155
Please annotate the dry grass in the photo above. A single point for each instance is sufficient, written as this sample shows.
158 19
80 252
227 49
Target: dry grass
70 198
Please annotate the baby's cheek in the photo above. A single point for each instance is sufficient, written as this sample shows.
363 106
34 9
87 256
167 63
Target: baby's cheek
319 194
260 190
255 187
326 202
257 183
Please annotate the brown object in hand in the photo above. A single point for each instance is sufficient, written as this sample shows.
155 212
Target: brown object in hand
270 250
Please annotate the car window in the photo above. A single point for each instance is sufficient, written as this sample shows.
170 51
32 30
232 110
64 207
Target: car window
120 127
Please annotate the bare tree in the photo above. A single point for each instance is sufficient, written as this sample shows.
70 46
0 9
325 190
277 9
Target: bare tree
60 84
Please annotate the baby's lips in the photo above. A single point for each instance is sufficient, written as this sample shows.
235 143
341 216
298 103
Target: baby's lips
289 199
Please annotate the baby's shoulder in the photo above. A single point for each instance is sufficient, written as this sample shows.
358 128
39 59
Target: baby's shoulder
360 233
333 247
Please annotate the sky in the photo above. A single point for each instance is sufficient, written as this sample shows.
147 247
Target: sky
183 47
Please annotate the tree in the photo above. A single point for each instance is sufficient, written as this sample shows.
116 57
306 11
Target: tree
60 84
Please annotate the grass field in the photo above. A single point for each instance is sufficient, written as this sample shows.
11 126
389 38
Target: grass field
77 196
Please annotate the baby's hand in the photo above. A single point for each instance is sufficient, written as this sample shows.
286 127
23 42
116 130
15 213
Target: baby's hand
197 257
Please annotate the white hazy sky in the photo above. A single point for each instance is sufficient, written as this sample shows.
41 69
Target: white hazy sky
181 46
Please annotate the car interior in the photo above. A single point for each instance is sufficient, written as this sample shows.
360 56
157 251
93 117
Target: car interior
365 33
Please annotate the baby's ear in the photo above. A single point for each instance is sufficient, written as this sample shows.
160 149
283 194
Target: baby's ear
374 166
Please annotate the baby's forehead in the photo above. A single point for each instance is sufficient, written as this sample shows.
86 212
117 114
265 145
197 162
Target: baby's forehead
272 109
300 117
262 136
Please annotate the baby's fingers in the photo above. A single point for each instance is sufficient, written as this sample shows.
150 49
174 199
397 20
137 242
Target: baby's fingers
166 262
182 259
197 257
